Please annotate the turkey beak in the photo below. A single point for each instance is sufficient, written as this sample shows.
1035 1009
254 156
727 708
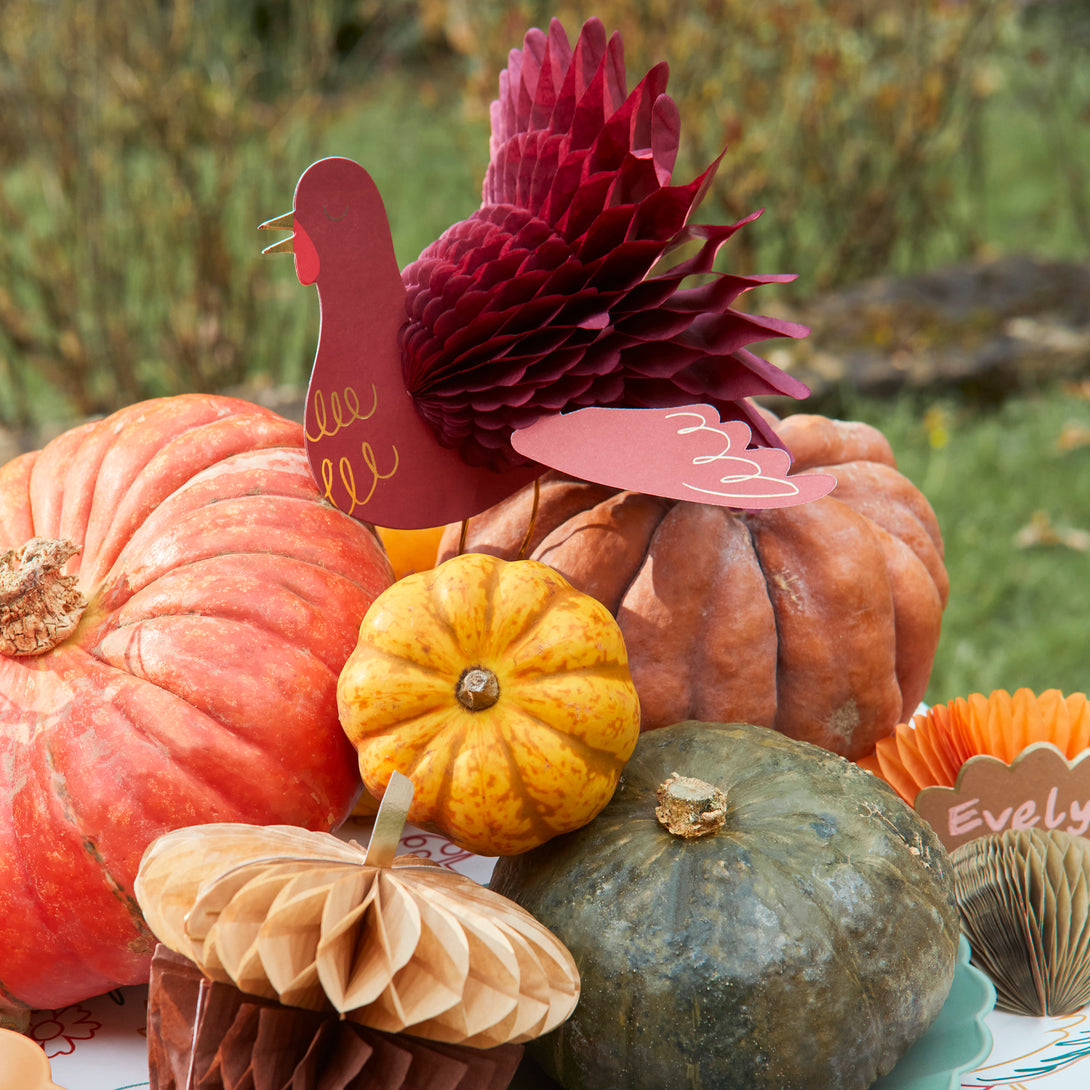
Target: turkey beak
286 222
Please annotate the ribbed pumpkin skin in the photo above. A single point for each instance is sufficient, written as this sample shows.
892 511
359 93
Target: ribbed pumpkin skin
542 759
804 946
820 620
224 596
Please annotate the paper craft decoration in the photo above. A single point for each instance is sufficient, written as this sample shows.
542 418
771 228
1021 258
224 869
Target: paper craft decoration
1024 898
931 749
206 1035
1040 788
698 456
395 944
556 294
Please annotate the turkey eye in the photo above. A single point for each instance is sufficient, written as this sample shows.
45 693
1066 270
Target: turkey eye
330 216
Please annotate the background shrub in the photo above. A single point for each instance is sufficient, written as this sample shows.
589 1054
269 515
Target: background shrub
142 142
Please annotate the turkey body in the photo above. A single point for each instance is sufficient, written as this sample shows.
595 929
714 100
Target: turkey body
557 294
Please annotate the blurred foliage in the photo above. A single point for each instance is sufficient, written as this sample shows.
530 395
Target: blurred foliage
842 117
120 162
142 140
1052 75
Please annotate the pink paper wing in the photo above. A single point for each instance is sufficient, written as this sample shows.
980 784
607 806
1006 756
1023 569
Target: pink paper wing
685 453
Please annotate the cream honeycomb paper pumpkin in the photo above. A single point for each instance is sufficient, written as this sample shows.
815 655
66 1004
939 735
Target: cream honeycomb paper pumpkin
397 944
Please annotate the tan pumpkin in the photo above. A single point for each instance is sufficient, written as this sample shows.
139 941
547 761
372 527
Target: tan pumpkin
820 620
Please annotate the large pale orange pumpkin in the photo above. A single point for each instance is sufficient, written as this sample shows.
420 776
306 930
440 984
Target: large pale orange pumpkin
502 692
206 602
820 620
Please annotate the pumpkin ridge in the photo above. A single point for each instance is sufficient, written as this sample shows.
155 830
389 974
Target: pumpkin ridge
51 514
400 724
870 489
213 794
851 681
140 727
443 698
418 654
438 617
283 526
610 668
591 755
239 724
533 618
542 829
100 867
598 760
173 424
236 608
531 665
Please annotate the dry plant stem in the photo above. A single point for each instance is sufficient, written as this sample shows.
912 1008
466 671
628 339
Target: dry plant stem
690 808
521 554
40 606
522 550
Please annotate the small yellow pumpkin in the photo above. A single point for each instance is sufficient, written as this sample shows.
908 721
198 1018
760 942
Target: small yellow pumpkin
501 691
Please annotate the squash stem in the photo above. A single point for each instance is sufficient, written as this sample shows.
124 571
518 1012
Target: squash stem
478 688
690 808
40 606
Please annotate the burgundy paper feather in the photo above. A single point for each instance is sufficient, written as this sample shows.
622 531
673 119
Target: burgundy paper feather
547 297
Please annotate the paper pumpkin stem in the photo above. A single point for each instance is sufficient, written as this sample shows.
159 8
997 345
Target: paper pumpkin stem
390 820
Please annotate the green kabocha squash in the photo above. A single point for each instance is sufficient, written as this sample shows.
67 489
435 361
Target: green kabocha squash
797 931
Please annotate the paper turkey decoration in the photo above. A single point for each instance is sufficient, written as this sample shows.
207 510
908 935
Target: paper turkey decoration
549 329
317 923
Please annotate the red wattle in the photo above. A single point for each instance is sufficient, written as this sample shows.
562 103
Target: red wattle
307 264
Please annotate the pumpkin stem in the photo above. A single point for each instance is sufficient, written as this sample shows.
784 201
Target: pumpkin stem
478 688
40 606
690 808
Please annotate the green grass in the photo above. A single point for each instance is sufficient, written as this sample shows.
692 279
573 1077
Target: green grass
1017 615
1036 164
